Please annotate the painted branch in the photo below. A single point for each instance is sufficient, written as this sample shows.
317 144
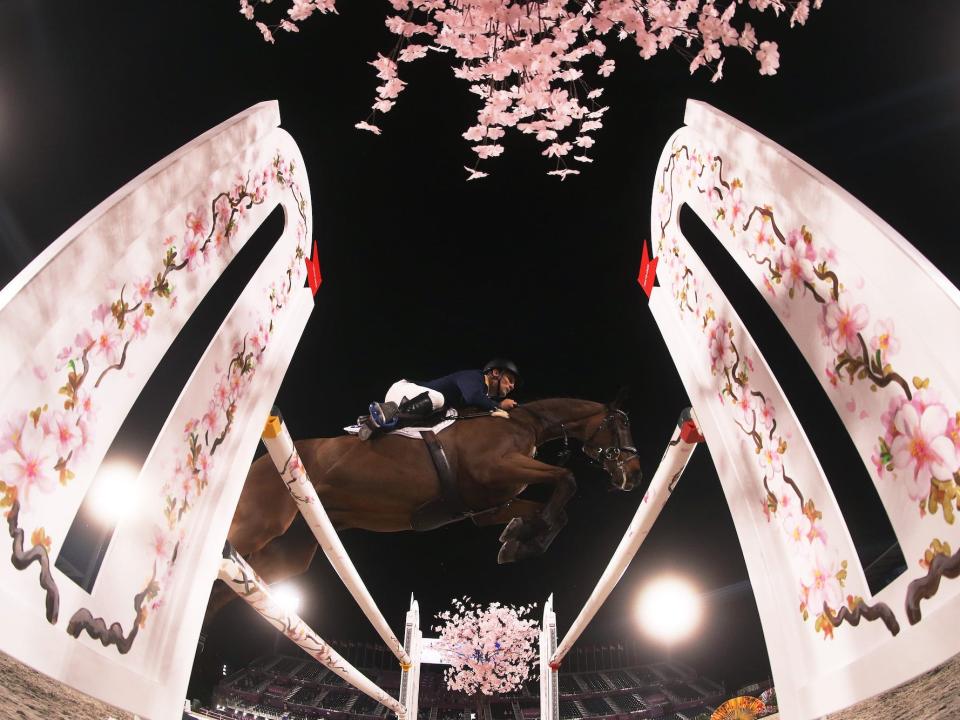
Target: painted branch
243 580
280 446
675 459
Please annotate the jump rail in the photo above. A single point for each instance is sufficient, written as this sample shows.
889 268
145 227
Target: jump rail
674 461
243 580
284 455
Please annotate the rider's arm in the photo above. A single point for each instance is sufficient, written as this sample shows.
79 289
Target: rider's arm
475 392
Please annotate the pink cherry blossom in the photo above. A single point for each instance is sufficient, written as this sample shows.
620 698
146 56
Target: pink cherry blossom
923 448
795 269
842 325
368 127
769 58
885 341
818 578
796 526
32 466
529 61
265 31
718 346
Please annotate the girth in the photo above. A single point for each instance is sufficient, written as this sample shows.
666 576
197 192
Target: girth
449 506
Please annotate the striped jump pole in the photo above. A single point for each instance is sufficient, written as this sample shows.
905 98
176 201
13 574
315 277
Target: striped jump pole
243 580
685 439
284 455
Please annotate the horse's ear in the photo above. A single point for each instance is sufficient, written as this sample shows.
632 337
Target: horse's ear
620 400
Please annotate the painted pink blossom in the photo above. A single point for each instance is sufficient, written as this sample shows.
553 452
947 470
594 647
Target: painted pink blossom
766 415
818 577
885 341
842 324
923 448
796 526
12 432
32 466
771 460
718 346
796 270
196 221
64 431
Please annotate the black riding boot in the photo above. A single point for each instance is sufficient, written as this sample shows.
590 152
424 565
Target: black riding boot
417 408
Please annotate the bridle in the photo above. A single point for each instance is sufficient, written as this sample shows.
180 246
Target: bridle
600 454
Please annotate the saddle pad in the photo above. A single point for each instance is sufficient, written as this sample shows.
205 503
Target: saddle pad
414 431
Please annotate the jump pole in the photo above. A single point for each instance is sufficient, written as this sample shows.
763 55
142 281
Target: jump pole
243 580
685 438
279 444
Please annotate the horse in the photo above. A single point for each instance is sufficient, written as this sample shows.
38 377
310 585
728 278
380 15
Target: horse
381 484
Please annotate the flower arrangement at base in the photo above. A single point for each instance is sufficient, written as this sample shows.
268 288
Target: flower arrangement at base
489 650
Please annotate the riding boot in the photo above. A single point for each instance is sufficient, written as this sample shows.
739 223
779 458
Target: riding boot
417 408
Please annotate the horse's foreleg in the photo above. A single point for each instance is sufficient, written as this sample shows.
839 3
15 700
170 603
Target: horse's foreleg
526 537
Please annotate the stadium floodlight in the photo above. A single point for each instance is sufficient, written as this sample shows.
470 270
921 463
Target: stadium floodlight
669 609
114 491
286 596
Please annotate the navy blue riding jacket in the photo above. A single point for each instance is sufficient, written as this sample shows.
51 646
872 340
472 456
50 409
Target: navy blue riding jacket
462 388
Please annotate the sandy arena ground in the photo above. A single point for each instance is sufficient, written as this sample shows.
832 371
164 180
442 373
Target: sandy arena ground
28 695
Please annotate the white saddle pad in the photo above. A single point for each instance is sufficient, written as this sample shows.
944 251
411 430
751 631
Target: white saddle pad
412 431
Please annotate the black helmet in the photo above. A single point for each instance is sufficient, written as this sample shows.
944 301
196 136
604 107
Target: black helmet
503 364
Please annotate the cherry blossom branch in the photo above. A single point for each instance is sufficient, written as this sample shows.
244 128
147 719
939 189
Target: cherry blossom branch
942 565
115 366
879 611
37 554
871 369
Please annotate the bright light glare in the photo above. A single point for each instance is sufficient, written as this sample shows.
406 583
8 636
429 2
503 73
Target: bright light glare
115 490
286 597
669 609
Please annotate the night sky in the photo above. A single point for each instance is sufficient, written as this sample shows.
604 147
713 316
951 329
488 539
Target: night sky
425 274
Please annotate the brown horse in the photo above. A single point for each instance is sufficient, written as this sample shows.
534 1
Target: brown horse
380 485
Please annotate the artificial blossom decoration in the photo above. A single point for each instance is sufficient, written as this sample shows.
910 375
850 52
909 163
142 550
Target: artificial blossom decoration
490 650
538 65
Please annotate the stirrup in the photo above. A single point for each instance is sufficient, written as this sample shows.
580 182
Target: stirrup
378 415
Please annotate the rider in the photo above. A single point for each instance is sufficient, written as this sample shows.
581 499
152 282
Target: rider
486 388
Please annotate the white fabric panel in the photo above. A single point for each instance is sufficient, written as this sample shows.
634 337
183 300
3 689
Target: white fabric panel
799 555
67 306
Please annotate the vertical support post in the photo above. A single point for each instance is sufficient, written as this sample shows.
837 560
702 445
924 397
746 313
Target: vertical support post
549 694
410 679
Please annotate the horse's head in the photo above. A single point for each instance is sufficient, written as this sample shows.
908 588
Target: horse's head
610 445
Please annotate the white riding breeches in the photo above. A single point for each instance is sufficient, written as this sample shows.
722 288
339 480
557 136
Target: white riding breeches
406 389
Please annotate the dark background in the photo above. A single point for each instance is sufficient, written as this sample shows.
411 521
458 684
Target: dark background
424 273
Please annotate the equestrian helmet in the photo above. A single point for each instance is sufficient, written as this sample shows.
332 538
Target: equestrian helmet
503 364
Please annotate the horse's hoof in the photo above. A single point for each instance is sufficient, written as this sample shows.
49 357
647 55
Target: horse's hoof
508 552
523 529
512 531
